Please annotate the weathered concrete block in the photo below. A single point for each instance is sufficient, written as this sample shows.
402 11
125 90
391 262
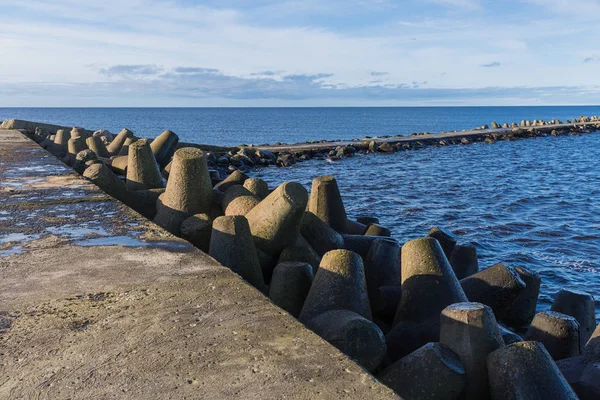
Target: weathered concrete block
446 239
164 146
257 187
300 253
275 222
470 330
232 245
509 336
106 180
354 335
433 372
559 333
319 235
388 298
77 132
61 142
237 200
525 371
142 170
124 151
356 228
189 190
360 244
382 268
144 201
290 284
339 284
326 203
367 220
197 230
497 286
428 282
464 261
579 305
115 146
404 338
96 144
377 230
74 146
119 165
236 178
522 310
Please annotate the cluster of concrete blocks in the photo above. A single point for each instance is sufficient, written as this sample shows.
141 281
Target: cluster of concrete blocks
420 316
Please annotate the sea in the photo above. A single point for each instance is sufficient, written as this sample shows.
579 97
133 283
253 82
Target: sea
532 203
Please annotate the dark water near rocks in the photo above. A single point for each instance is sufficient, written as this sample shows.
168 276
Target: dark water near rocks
532 202
233 126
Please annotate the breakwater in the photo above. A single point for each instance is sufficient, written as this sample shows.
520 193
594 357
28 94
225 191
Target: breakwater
364 286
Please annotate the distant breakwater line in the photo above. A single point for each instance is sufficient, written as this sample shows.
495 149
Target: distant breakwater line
226 159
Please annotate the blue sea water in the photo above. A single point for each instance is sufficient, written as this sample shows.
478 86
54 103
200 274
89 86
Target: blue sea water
533 202
233 126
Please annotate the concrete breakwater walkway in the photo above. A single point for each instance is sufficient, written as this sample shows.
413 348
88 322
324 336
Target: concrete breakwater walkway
96 301
421 316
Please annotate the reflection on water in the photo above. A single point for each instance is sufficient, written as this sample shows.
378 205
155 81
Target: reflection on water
531 202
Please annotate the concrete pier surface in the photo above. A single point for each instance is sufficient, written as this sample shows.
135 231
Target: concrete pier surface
98 302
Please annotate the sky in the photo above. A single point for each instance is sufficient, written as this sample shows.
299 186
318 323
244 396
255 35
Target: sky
146 53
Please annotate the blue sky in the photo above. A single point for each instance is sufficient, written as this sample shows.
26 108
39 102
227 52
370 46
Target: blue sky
299 53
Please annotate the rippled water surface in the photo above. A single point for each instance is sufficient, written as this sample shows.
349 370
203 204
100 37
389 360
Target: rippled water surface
533 202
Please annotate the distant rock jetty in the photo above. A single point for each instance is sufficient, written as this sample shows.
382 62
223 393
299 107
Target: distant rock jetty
421 316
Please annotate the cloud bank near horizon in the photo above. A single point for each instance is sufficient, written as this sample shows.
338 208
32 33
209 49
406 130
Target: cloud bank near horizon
291 52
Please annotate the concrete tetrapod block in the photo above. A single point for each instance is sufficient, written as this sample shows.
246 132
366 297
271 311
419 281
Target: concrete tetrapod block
525 371
360 244
470 330
74 146
189 190
382 268
446 238
464 261
115 146
356 228
339 284
432 372
231 244
197 230
579 305
237 200
119 165
559 333
275 222
326 203
290 284
319 235
583 372
96 144
428 282
354 335
142 170
404 338
257 187
377 230
77 132
145 201
509 336
522 310
389 296
497 286
61 140
236 178
164 146
106 180
125 148
300 253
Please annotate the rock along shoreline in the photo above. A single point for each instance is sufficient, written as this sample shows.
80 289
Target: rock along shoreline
421 316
